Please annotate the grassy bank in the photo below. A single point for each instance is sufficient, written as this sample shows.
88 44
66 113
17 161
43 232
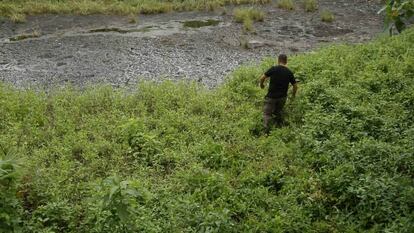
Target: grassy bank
179 158
16 10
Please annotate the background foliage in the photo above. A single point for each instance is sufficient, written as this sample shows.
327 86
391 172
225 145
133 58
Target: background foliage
180 158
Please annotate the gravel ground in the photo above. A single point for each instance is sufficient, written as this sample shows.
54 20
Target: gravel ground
85 50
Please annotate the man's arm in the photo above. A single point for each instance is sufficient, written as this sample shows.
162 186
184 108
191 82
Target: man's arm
262 81
295 89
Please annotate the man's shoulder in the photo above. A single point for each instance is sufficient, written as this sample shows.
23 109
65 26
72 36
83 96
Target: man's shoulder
281 67
273 68
286 70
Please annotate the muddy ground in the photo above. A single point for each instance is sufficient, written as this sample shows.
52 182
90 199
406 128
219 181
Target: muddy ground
51 50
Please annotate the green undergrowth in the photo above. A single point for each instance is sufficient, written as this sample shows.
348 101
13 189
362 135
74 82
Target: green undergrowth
179 158
16 10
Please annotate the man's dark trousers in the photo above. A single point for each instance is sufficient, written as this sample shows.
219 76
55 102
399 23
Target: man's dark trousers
273 112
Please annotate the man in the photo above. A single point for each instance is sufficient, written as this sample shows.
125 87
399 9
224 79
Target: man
280 77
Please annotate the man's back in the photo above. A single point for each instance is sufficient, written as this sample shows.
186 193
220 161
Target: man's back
280 77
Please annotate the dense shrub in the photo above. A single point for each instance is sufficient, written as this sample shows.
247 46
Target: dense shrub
178 158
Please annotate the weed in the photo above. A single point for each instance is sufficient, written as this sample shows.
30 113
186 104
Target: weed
132 19
327 16
242 14
18 18
286 4
310 5
248 25
248 16
10 206
397 14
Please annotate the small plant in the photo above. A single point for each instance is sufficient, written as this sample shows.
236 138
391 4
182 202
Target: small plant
286 4
247 16
397 13
10 206
327 16
248 25
18 18
241 14
132 19
310 5
118 200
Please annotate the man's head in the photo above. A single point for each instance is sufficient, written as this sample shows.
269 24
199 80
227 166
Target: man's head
282 59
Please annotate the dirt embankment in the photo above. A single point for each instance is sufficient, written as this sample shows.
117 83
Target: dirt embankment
50 50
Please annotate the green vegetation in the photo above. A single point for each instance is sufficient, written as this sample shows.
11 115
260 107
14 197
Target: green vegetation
241 14
310 5
397 13
327 16
16 10
180 158
286 4
248 25
247 16
10 207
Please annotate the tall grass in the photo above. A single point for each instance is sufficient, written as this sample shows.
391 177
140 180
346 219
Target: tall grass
180 158
17 9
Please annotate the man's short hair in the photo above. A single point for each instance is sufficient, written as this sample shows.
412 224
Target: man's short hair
282 58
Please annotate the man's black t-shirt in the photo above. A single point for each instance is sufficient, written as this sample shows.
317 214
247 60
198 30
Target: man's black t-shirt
280 77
